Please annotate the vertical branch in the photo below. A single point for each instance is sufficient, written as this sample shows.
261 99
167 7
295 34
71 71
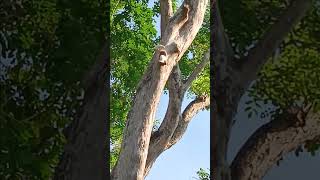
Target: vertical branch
165 13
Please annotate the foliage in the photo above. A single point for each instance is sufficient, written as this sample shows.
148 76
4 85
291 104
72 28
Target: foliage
294 75
194 55
203 174
46 47
245 21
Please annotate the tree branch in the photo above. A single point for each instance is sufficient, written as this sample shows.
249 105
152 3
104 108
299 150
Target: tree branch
189 112
272 141
165 13
162 136
259 55
187 18
196 71
156 148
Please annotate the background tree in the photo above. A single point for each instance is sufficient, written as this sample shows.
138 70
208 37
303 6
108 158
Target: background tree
46 48
273 55
133 42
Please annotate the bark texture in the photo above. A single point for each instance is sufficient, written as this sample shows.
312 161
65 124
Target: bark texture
84 155
272 141
180 30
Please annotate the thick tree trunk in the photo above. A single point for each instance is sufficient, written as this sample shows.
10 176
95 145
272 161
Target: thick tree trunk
180 31
226 94
84 155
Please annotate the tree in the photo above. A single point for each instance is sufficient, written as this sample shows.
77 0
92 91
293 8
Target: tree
63 41
276 51
45 47
140 146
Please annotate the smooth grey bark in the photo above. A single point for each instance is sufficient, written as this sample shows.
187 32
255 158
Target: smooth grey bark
232 79
84 155
179 32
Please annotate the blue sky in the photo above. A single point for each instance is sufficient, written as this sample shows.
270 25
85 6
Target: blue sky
192 152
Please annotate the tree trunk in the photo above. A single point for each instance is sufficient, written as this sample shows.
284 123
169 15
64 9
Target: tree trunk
180 31
225 94
84 155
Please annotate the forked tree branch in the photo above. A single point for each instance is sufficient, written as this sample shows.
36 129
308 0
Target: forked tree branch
156 148
165 12
272 141
160 138
178 35
174 125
